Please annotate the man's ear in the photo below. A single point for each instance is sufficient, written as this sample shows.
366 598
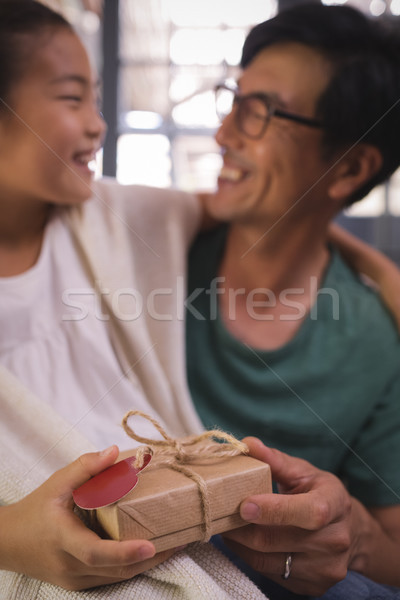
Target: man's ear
355 169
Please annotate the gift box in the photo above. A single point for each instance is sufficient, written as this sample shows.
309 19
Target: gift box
166 505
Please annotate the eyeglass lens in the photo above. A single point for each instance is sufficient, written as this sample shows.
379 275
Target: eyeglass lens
252 113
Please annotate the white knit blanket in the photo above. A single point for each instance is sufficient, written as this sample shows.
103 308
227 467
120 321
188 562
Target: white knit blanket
27 457
201 572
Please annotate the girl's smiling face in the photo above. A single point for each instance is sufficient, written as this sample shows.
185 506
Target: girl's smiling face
50 128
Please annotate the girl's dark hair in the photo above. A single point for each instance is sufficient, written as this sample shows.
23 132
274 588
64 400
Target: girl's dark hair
21 22
362 101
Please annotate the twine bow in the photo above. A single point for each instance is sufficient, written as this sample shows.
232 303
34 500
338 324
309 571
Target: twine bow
177 453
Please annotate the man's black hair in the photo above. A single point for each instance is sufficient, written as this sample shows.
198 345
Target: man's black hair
362 101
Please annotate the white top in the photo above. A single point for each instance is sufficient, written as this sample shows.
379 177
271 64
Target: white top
125 235
67 381
55 341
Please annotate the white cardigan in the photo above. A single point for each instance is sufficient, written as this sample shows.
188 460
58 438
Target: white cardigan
126 237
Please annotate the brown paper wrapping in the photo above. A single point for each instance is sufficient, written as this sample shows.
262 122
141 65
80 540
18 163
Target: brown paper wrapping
165 506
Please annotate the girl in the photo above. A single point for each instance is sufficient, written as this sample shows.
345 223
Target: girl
60 255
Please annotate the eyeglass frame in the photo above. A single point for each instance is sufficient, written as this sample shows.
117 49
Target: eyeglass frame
272 111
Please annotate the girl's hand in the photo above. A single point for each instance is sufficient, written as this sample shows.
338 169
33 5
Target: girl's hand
43 538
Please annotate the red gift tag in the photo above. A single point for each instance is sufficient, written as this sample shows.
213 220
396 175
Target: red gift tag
110 485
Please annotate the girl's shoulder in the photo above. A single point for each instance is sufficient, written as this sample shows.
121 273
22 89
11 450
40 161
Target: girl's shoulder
112 191
142 204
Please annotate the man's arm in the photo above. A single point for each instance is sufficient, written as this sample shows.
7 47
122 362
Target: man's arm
314 519
378 267
42 537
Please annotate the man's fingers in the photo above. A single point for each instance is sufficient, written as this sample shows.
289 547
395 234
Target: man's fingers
285 539
278 509
271 539
325 573
285 469
312 498
310 511
267 563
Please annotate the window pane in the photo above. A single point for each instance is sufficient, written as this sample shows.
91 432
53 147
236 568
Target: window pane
199 111
145 88
205 13
188 80
197 161
197 46
233 44
394 194
144 159
213 13
144 31
372 205
244 14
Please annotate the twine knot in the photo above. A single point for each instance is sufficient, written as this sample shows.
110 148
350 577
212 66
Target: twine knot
177 453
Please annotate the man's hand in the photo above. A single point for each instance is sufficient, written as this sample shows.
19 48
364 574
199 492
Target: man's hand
312 518
43 538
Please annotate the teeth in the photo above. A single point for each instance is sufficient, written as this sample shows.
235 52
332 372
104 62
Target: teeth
92 165
231 173
85 159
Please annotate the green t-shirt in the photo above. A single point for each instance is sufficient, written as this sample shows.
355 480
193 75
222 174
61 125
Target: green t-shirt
331 395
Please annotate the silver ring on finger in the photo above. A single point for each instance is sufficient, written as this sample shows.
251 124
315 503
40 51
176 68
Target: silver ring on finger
288 567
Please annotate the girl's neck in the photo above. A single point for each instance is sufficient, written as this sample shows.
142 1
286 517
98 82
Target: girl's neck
21 237
21 219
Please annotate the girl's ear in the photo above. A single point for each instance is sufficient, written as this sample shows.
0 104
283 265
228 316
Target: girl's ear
355 169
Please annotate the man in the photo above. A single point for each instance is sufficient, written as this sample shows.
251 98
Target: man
283 340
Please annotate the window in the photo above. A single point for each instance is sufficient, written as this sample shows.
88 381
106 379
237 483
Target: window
171 55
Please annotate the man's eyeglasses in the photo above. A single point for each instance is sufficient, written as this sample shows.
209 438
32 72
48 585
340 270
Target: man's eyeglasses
253 111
